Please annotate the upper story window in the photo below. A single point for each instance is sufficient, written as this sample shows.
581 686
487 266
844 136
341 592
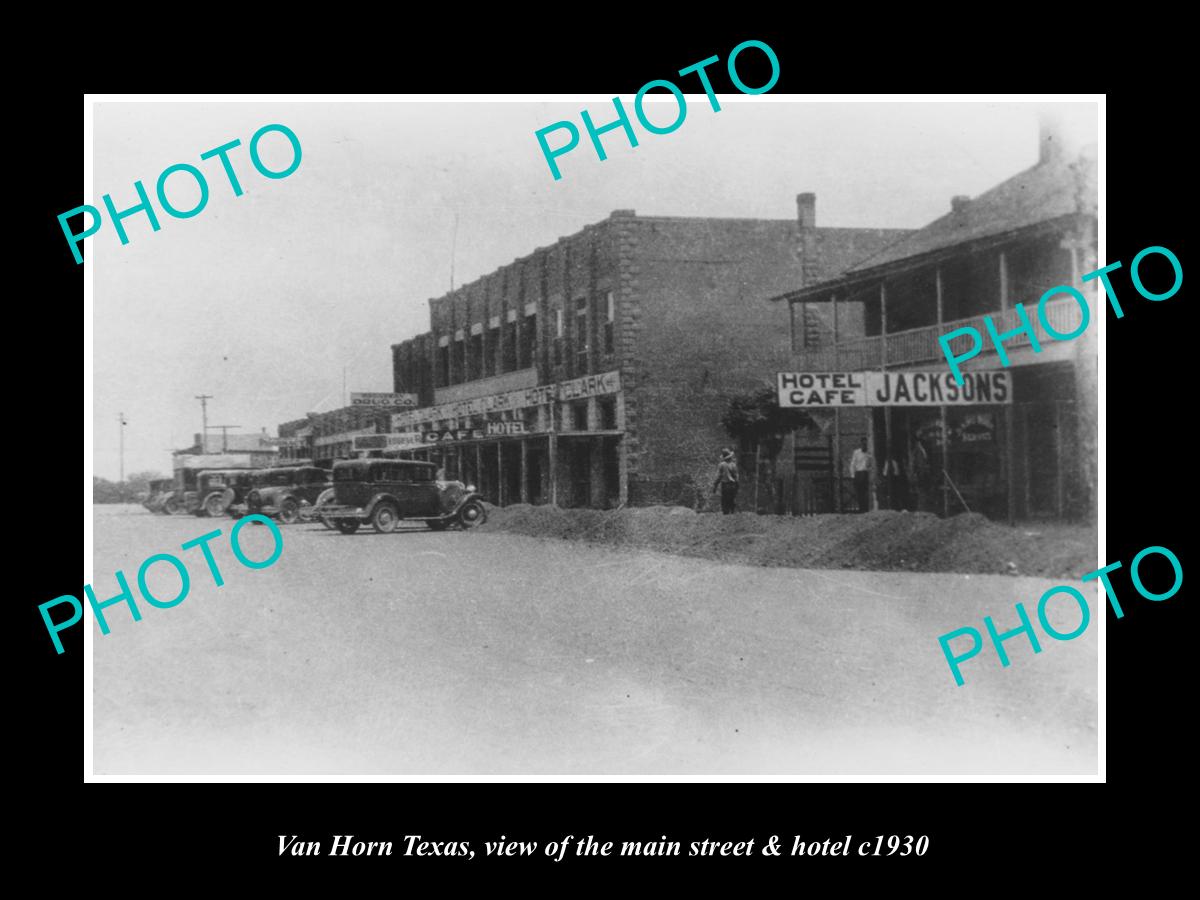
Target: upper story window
610 315
528 341
509 361
489 351
581 334
558 336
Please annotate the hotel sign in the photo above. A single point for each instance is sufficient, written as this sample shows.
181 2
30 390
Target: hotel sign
577 389
828 389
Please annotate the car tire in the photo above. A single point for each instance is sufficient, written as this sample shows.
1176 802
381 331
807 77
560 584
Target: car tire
289 511
170 506
327 496
384 518
436 524
471 514
213 506
347 526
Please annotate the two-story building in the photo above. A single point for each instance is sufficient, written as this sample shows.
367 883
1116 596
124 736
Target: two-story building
594 372
322 437
1025 453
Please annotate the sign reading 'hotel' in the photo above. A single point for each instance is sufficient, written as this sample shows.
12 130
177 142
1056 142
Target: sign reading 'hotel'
825 389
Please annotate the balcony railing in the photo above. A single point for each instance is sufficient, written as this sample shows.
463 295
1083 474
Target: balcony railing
921 344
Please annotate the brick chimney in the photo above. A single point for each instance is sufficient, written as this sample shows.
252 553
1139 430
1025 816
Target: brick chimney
1050 139
806 217
959 202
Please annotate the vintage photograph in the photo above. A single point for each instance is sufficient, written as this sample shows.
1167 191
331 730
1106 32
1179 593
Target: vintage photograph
729 452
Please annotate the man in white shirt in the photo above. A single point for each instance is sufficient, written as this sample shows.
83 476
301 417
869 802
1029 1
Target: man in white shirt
861 464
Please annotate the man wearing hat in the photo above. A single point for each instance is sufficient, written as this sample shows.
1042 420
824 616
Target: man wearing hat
727 481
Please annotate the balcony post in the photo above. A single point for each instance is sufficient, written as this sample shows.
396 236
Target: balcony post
883 359
945 431
1003 281
837 419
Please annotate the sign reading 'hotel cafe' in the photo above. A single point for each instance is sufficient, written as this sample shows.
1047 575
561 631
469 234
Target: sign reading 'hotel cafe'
824 389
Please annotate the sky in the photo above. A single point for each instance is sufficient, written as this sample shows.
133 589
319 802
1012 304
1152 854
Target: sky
264 300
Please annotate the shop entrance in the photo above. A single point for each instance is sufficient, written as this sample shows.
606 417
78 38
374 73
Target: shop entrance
535 461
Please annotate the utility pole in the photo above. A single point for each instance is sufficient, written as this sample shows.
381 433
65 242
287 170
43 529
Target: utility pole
204 398
123 423
225 436
343 385
453 249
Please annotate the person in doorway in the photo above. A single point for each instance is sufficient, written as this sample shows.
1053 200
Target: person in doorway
727 481
861 464
896 484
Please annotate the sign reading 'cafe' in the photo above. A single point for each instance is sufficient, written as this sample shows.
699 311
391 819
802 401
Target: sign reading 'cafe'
824 389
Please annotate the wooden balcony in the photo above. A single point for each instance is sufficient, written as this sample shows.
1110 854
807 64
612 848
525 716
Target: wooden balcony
918 345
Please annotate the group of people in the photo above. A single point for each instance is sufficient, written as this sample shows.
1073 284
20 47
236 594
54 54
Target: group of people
894 483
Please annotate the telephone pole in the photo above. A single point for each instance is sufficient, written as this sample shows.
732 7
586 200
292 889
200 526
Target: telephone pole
204 398
123 423
225 436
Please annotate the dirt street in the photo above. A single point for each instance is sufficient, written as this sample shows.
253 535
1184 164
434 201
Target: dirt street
478 654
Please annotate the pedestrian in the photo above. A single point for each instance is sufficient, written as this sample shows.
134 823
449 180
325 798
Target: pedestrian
860 467
727 481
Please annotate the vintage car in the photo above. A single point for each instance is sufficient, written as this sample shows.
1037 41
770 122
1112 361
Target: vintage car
159 490
282 492
214 491
385 492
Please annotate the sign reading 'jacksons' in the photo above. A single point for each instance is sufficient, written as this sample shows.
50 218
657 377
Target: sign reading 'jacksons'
893 389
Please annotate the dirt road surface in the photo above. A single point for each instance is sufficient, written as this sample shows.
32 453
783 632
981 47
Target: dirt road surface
422 653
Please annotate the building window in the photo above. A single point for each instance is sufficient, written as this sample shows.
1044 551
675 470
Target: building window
579 416
489 352
443 365
609 319
509 362
528 341
558 337
608 413
476 356
581 335
456 374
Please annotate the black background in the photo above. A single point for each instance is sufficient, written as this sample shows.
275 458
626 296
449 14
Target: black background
219 835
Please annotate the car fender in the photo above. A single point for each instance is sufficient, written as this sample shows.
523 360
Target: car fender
466 498
380 498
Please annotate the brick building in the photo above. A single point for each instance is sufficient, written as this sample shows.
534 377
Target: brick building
594 372
1032 456
326 436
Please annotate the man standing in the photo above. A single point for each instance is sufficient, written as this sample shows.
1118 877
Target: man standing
727 481
860 466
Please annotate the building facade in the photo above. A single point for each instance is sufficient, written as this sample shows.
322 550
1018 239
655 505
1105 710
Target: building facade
594 372
321 438
1031 456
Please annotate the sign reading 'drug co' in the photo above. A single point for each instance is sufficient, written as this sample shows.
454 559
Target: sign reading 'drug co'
388 401
825 389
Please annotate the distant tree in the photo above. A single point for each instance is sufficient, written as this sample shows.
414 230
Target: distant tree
105 491
759 424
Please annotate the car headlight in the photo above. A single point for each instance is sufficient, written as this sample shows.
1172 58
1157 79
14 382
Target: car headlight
470 488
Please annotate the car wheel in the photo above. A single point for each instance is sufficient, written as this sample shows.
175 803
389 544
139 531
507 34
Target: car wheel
472 514
171 506
384 518
436 524
213 505
289 511
327 496
347 526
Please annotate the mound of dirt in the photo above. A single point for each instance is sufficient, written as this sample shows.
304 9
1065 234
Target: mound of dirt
879 541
